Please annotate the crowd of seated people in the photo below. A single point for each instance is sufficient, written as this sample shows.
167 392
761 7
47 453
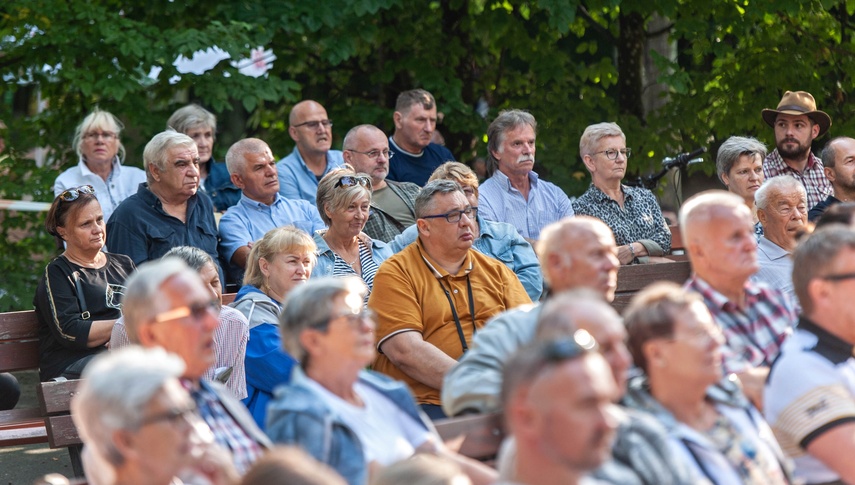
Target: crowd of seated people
369 308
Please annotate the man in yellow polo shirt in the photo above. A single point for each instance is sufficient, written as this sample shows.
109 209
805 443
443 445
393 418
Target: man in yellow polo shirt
432 297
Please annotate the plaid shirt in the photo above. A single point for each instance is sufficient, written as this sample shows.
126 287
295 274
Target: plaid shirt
813 178
753 335
227 432
382 226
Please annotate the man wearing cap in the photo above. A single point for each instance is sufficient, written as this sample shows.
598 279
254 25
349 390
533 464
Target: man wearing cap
797 123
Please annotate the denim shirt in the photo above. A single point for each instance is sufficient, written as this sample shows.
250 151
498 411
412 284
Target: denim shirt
298 416
501 241
380 251
219 186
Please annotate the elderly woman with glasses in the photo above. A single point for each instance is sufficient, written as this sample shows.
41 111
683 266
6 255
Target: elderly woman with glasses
632 213
739 165
79 296
344 200
497 239
100 151
140 425
343 415
712 426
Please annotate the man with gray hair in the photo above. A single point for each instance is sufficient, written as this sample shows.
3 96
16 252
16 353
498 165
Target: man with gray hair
514 193
261 207
431 297
168 210
416 156
782 209
810 393
838 160
718 232
168 306
393 204
140 425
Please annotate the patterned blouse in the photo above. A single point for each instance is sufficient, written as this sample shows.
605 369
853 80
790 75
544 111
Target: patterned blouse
640 217
342 268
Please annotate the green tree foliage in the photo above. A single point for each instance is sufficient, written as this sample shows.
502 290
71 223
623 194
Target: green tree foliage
570 62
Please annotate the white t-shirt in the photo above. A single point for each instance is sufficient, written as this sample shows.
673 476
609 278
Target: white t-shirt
387 434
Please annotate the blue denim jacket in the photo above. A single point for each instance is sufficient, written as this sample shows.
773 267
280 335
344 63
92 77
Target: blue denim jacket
380 251
501 241
298 416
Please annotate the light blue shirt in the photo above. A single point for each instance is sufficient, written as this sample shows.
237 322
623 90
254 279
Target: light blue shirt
296 181
776 268
500 241
249 220
499 201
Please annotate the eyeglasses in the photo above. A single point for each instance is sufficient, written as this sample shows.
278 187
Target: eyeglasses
73 194
315 124
455 216
197 310
375 154
350 181
613 154
171 416
107 135
838 277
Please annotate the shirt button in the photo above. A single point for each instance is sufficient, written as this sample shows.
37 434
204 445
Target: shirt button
455 292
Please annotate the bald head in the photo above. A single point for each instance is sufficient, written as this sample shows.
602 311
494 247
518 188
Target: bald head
584 309
579 252
366 149
300 109
311 129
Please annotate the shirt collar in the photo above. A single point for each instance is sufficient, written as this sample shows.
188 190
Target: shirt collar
256 204
825 336
505 182
436 269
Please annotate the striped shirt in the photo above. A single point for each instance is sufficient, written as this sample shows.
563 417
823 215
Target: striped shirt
342 268
754 334
227 432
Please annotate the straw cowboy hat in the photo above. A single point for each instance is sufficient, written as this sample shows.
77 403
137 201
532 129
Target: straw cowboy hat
798 103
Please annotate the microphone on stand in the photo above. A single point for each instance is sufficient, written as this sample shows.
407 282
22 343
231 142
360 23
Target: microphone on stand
683 159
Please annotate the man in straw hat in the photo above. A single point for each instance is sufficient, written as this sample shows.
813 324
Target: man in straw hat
797 123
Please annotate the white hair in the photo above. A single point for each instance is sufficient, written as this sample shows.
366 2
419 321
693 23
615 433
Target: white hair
782 184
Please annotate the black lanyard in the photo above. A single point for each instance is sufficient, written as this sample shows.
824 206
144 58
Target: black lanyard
460 333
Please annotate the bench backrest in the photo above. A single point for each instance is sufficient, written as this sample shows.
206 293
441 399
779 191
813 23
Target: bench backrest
19 341
634 278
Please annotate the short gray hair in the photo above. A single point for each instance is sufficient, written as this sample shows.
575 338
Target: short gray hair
193 257
310 306
191 116
143 290
814 256
115 389
102 120
335 199
700 207
735 147
236 156
505 122
781 184
349 142
424 199
594 133
156 149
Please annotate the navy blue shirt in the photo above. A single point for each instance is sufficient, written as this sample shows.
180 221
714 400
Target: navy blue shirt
142 230
819 209
406 167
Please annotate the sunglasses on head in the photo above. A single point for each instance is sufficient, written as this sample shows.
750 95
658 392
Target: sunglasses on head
350 181
74 193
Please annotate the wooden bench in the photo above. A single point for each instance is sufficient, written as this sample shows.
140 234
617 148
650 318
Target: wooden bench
634 278
19 350
476 436
55 405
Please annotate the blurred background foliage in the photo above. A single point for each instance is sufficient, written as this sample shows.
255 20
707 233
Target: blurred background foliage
675 74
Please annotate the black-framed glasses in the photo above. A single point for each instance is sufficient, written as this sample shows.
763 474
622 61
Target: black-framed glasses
172 416
315 124
375 154
838 277
455 216
73 194
352 180
613 154
196 310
